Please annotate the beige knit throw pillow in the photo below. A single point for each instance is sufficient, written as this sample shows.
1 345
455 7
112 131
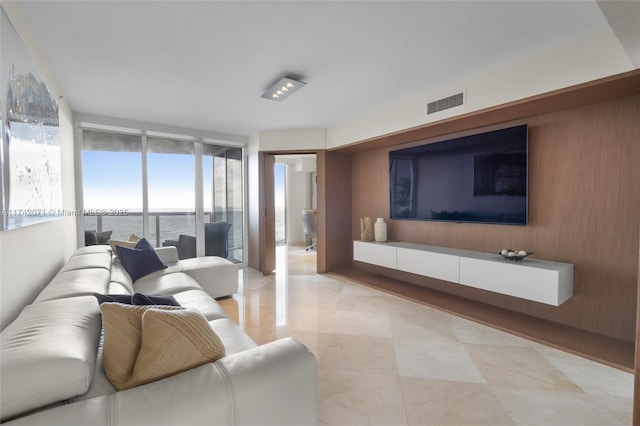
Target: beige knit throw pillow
147 343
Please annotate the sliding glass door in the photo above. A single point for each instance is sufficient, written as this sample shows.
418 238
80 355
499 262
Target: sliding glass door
223 197
147 185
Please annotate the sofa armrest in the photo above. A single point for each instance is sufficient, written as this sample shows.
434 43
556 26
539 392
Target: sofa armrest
167 254
272 384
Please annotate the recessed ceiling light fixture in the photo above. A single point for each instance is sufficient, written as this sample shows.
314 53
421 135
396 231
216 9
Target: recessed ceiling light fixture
284 88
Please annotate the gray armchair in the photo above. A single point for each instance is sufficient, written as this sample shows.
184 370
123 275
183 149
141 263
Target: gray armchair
310 226
216 241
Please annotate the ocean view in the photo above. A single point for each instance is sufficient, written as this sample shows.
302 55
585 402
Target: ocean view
166 225
171 224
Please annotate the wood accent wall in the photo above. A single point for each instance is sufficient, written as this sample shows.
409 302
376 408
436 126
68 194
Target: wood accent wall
335 248
584 208
636 373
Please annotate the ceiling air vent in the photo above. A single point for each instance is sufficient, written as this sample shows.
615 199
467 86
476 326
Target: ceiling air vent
445 103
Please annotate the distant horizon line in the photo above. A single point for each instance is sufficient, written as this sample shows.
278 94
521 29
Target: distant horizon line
157 210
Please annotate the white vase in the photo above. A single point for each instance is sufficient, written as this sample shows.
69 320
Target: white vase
380 230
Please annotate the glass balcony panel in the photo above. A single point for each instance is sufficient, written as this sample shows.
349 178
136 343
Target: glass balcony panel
171 178
235 203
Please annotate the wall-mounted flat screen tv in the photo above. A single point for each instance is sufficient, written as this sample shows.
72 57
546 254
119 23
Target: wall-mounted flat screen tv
479 178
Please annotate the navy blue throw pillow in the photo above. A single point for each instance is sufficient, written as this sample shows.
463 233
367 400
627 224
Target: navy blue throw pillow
143 244
137 299
139 261
118 298
148 299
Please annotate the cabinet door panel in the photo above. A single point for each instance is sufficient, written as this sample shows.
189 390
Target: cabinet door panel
548 286
436 265
375 253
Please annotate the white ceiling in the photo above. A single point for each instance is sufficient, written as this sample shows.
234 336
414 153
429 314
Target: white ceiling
204 65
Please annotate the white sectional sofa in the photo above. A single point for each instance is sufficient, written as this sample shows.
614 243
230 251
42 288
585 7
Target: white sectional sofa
51 356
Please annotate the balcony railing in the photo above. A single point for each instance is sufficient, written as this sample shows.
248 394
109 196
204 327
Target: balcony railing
164 226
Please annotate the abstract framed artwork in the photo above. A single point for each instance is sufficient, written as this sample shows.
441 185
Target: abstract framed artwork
30 175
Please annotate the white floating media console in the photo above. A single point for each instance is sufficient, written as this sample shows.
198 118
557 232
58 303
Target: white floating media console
532 279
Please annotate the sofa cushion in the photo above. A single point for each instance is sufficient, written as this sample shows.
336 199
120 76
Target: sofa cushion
120 276
89 260
170 269
166 284
201 301
48 354
217 276
139 261
235 340
80 282
91 249
168 255
146 343
116 288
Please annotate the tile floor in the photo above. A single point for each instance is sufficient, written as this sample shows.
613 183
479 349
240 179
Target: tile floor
384 360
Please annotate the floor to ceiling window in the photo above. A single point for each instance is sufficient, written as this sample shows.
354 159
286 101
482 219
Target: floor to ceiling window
119 169
172 203
112 181
223 195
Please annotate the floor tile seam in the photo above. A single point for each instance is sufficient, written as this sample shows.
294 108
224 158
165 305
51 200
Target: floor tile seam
546 390
444 381
484 386
404 400
346 334
568 360
324 348
379 372
550 390
556 394
490 379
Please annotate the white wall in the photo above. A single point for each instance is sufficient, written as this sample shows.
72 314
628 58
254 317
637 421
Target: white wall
587 58
30 256
624 19
287 140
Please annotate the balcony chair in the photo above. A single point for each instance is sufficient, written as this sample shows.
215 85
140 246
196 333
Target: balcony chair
216 240
310 226
93 237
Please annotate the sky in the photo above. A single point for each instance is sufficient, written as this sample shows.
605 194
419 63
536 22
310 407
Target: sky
280 174
113 180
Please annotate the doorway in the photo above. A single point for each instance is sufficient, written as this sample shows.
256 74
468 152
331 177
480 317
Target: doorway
295 191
